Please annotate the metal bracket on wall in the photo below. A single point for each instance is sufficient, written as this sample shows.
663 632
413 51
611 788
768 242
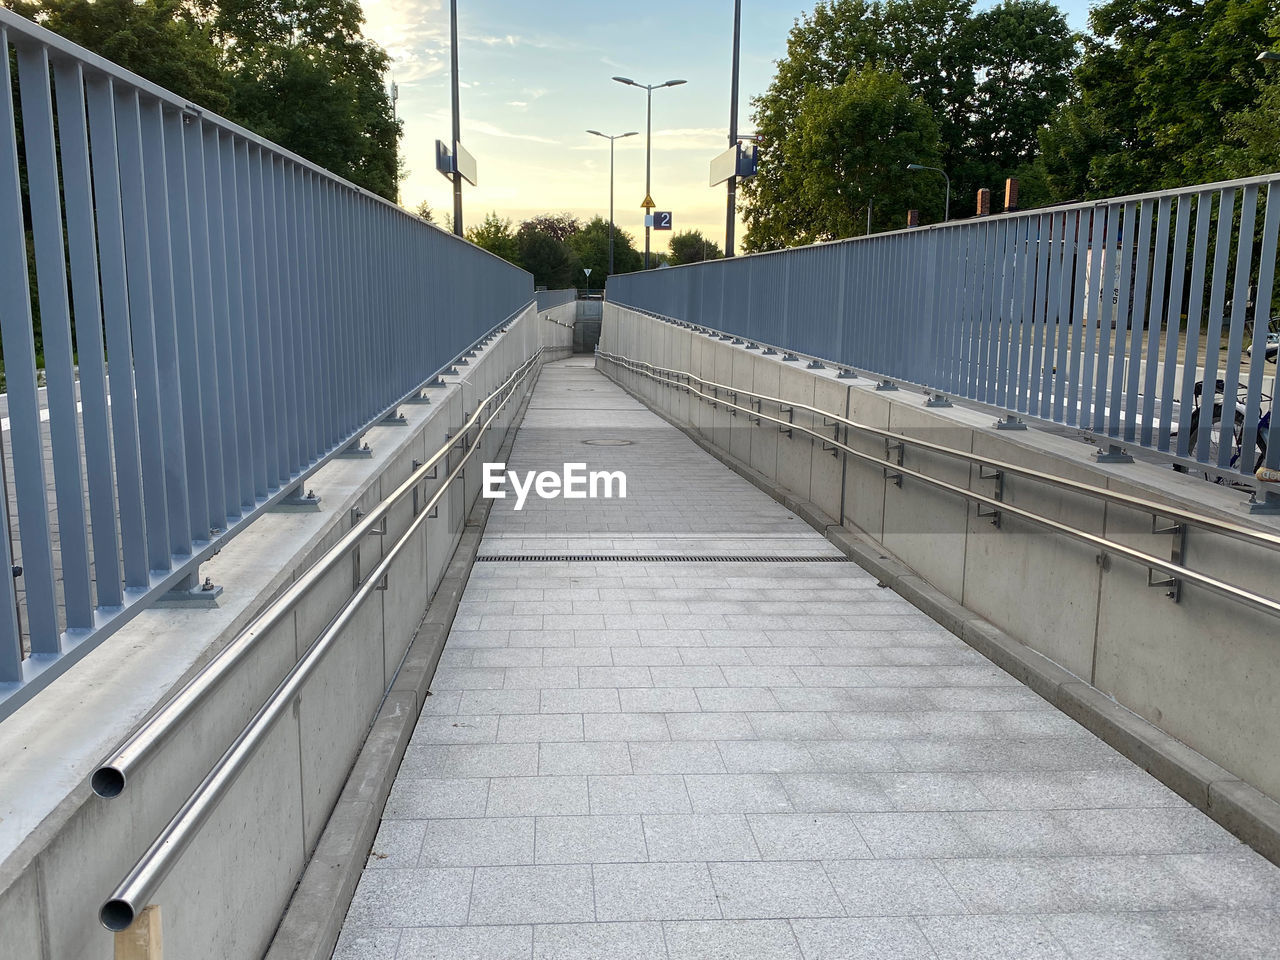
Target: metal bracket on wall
1172 585
884 386
832 448
789 357
418 397
393 419
1010 422
192 592
846 374
379 531
757 404
733 409
998 477
894 451
937 400
791 418
814 365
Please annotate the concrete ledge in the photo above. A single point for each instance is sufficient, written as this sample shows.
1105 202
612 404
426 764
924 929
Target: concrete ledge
1235 805
313 920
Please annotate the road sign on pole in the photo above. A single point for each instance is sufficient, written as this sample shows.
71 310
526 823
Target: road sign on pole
662 219
648 202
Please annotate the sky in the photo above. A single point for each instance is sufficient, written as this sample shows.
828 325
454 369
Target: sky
535 76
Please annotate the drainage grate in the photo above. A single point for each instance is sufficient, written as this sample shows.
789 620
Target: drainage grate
652 558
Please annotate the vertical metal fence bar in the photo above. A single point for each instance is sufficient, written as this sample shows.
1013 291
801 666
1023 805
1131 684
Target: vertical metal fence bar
1195 314
1104 294
1120 299
73 138
269 277
1033 362
291 386
1157 300
1213 333
1247 461
226 426
1137 323
10 636
256 317
197 334
233 237
1094 299
1065 323
72 545
17 337
1169 388
1261 317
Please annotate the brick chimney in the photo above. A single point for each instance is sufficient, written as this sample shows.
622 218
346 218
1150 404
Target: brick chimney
984 202
913 218
1011 195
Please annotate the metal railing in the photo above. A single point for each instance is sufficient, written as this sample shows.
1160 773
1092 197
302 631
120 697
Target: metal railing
1112 316
254 312
555 298
1175 571
111 778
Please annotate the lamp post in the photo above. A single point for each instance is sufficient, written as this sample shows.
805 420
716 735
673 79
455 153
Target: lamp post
947 209
457 117
648 141
616 136
732 212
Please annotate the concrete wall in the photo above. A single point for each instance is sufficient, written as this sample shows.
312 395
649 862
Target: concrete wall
62 849
1205 670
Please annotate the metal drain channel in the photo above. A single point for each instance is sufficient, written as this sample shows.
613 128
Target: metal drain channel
652 558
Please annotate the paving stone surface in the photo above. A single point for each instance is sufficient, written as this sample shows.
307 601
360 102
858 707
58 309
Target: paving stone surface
666 760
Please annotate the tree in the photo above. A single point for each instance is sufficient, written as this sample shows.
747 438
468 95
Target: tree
424 211
546 256
1158 82
848 146
494 234
161 40
590 246
691 246
562 226
304 75
967 69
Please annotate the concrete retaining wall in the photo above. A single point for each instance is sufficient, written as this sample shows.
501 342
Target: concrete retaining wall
62 849
1205 670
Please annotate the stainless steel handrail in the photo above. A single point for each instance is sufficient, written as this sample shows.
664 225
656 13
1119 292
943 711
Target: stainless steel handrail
1228 528
1169 568
141 883
112 775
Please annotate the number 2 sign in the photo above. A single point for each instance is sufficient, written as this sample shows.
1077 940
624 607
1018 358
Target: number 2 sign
662 220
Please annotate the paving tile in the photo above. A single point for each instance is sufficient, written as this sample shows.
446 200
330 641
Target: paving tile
591 839
511 942
888 888
736 699
681 756
659 700
410 898
638 794
833 792
624 726
654 891
1184 936
617 677
699 837
991 938
807 836
538 894
731 940
862 938
599 941
775 889
765 756
537 796
709 726
397 844
479 842
576 700
552 727
582 759
459 728
536 678
471 760
423 799
737 793
367 943
498 701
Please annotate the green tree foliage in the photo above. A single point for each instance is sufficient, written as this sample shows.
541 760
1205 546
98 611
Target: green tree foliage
990 80
162 40
690 246
495 235
1159 83
848 145
424 211
298 72
562 226
591 247
550 259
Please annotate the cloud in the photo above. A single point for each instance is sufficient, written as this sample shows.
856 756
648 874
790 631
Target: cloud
413 32
518 104
484 128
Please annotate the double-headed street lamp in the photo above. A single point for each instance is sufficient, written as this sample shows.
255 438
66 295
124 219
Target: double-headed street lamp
648 142
947 209
616 136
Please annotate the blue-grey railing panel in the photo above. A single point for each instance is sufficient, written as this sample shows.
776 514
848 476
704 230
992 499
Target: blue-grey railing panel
1103 315
555 298
217 318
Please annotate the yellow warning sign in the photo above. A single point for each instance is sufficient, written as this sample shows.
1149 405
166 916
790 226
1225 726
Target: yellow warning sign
648 202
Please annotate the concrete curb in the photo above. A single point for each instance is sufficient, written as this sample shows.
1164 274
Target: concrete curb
313 919
1237 806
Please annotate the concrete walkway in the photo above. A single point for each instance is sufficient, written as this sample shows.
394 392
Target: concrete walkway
755 760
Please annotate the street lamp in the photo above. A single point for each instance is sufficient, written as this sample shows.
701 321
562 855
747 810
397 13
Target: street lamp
1268 56
648 141
947 209
617 136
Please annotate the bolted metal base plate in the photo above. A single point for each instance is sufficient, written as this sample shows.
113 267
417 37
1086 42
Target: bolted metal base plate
203 597
298 503
1269 504
938 401
1010 423
1113 454
886 385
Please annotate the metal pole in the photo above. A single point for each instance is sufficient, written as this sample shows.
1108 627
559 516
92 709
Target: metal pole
869 202
731 212
457 119
946 210
648 154
611 139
